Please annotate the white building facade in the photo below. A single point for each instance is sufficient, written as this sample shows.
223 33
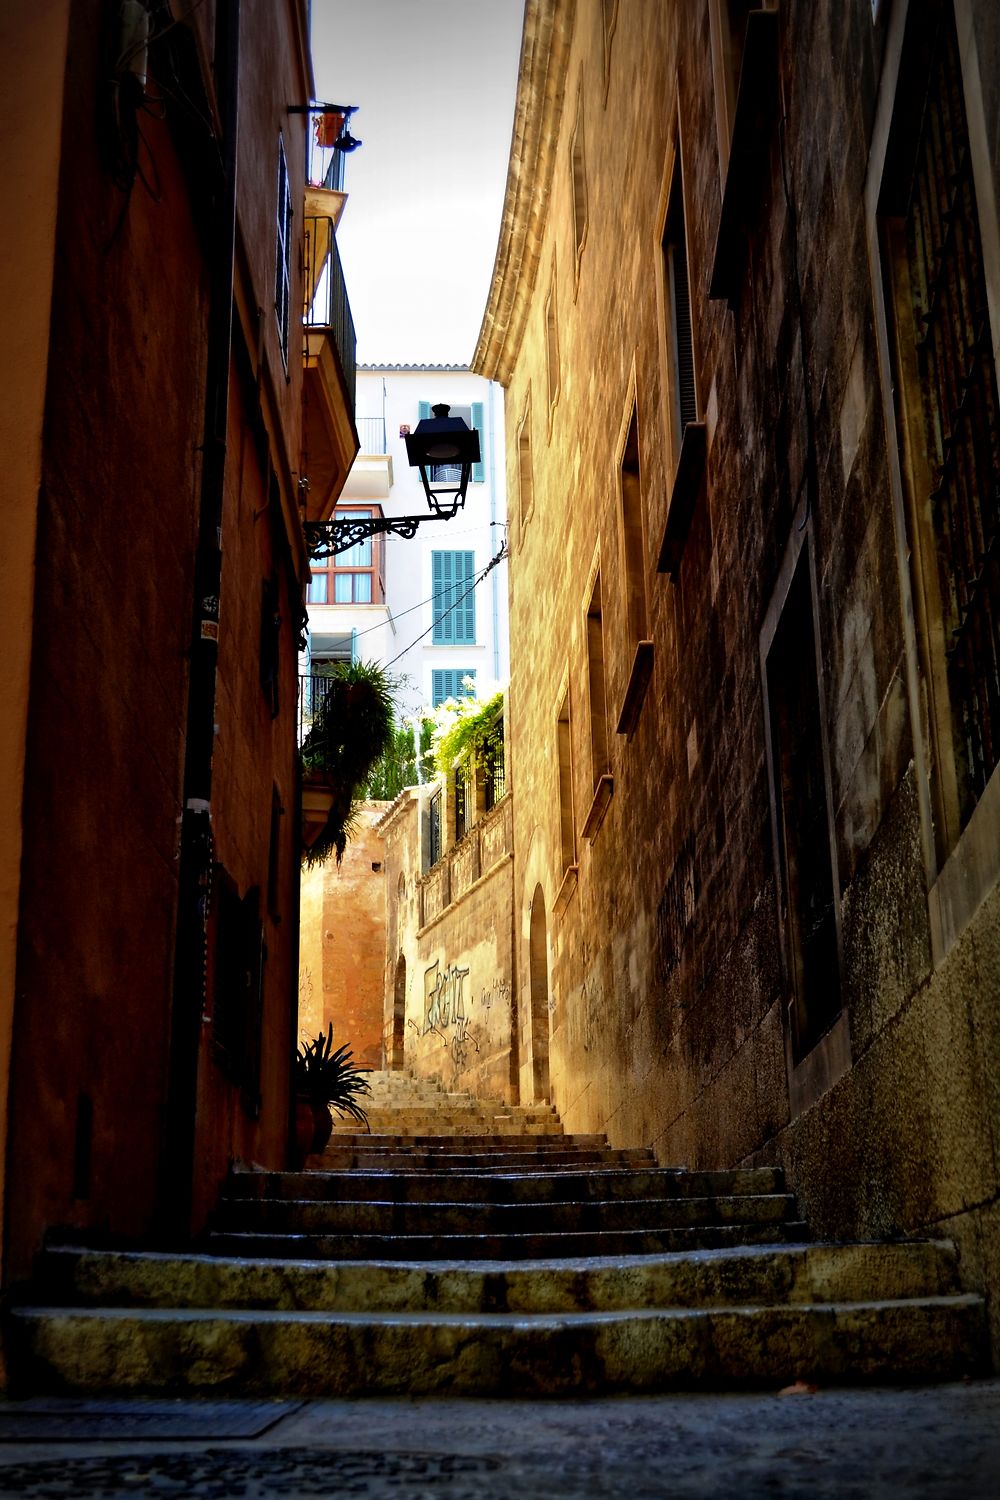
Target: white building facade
430 608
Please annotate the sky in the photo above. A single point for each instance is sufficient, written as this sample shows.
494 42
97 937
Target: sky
434 82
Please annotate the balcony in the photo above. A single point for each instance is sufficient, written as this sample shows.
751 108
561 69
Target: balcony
371 431
331 439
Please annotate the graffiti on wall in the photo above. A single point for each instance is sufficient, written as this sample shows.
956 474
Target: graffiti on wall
445 1011
497 992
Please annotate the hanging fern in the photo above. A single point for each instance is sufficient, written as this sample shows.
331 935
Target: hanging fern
351 729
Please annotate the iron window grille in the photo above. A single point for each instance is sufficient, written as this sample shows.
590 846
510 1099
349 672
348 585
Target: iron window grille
435 842
494 768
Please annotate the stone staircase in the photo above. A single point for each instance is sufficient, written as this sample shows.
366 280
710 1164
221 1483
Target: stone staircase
401 1104
508 1262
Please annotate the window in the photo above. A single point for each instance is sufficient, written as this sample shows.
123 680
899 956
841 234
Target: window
801 820
493 765
677 300
453 594
452 684
325 650
634 576
609 18
464 798
600 761
630 480
578 175
946 410
564 754
435 828
472 416
551 345
525 473
355 575
729 22
283 251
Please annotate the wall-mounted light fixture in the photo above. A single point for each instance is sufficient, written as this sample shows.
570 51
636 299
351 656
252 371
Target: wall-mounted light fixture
444 449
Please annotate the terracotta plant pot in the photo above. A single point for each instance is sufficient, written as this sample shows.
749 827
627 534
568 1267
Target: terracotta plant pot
322 1127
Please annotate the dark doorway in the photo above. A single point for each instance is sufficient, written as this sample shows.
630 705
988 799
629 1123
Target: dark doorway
398 1014
538 969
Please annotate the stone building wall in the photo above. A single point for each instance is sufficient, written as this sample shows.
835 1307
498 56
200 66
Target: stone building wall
650 903
448 974
342 944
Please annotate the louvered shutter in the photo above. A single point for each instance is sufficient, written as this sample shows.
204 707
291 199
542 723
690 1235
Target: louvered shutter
465 612
479 469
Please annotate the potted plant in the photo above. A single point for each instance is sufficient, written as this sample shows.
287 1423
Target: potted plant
351 727
325 1079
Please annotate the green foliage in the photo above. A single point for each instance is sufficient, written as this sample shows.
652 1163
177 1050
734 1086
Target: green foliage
351 728
324 1076
398 766
467 727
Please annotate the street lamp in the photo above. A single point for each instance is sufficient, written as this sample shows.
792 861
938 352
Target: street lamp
443 448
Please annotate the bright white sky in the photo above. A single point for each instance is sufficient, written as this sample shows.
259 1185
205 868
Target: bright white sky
434 82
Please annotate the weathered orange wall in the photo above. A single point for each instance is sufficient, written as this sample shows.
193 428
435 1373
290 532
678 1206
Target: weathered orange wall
33 49
343 944
120 480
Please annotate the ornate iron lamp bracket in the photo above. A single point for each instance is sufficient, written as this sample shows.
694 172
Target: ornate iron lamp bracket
327 538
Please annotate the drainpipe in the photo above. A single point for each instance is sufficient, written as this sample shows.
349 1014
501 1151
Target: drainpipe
493 526
196 852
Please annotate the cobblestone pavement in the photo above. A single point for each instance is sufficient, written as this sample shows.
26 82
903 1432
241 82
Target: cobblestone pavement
929 1444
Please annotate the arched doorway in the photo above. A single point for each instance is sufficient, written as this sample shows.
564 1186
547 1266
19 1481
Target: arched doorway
538 973
398 1014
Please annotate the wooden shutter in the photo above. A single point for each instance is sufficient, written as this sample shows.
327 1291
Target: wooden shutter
465 613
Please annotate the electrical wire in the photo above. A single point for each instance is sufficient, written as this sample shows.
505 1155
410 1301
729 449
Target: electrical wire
474 585
432 599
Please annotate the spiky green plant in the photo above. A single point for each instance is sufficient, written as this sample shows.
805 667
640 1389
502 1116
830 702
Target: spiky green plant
324 1076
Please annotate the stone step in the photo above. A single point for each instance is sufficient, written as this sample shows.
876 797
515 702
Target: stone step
338 1158
447 1217
447 1122
542 1245
500 1186
742 1277
313 1353
484 1141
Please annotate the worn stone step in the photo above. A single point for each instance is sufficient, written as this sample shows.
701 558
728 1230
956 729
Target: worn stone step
413 1354
354 1216
714 1278
564 1186
563 1244
345 1159
485 1141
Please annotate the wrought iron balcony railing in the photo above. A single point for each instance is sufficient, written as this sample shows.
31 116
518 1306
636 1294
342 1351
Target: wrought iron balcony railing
327 309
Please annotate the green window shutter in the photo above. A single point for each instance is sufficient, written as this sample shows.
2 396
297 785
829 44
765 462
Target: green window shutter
354 645
441 581
465 613
423 411
479 469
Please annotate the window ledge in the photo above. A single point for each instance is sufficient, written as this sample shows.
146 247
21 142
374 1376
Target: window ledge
599 806
635 692
683 496
566 889
756 100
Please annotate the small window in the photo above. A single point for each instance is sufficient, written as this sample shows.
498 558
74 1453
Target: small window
578 173
435 826
564 755
600 759
677 300
283 252
493 766
525 474
630 480
459 682
453 598
551 345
